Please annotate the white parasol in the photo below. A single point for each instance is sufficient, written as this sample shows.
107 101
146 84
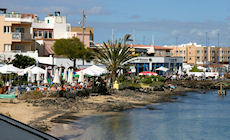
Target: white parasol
65 75
56 77
45 76
81 77
70 76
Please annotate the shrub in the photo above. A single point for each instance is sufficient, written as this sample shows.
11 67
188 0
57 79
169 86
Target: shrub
195 69
147 80
31 95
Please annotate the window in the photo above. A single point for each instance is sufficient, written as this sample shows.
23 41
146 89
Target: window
184 58
184 52
48 21
7 47
38 34
198 51
29 48
213 52
180 52
198 58
205 51
6 29
228 52
176 51
19 47
19 30
48 35
190 58
68 28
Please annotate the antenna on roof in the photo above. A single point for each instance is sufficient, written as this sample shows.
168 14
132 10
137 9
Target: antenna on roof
134 36
112 35
206 36
153 40
218 41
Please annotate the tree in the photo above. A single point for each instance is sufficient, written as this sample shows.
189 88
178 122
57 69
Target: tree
21 61
113 55
72 48
195 69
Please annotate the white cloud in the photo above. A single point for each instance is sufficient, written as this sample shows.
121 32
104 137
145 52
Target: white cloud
95 10
214 32
175 32
196 32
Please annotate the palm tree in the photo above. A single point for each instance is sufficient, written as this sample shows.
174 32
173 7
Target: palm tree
113 55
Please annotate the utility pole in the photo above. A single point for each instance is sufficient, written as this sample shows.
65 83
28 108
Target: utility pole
83 31
134 37
218 40
83 26
112 35
206 37
176 39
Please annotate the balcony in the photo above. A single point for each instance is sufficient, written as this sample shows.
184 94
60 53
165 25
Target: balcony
18 37
168 54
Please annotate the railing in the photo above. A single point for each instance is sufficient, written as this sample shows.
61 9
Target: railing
168 54
20 36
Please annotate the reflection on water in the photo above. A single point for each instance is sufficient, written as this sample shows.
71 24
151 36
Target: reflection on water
194 117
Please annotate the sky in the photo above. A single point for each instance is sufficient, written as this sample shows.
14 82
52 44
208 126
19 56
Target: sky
169 22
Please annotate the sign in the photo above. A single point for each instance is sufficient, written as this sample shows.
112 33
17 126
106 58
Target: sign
21 72
7 96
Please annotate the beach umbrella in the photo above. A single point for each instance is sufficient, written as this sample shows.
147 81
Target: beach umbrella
45 76
34 70
7 69
38 78
93 71
65 75
187 71
70 76
180 71
81 77
148 73
60 72
56 77
162 69
32 78
29 76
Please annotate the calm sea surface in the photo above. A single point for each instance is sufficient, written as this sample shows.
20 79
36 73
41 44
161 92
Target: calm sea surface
192 117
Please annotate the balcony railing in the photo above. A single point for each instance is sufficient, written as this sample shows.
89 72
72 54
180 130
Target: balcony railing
21 36
168 54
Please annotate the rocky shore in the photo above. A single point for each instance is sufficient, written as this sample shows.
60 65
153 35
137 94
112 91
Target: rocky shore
45 112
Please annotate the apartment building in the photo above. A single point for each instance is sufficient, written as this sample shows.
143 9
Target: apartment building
15 32
179 51
201 55
88 35
152 50
55 27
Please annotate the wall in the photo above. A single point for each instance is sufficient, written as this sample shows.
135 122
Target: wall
4 38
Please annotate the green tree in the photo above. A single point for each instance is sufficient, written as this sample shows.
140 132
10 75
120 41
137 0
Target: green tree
72 48
21 61
195 69
113 55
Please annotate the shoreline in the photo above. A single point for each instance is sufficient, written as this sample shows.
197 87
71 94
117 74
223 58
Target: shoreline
45 113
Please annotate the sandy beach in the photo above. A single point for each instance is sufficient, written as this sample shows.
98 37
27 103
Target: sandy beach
46 112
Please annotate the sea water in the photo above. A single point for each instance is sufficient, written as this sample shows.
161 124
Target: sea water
192 117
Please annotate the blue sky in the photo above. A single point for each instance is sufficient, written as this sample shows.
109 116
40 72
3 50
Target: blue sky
167 20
